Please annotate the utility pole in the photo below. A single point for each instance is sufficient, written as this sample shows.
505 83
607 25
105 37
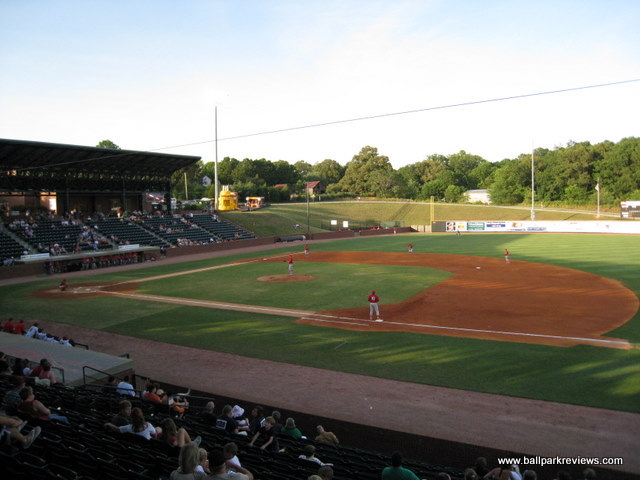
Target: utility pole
215 167
533 185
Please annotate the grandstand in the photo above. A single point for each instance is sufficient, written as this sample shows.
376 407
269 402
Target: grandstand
84 449
123 231
10 248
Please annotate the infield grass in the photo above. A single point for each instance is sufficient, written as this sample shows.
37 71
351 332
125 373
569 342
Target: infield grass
584 375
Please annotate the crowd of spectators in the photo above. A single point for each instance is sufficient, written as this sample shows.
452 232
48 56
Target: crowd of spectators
22 409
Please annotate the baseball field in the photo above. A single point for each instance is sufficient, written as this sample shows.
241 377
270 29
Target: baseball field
559 323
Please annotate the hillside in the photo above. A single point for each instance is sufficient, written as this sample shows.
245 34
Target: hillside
279 219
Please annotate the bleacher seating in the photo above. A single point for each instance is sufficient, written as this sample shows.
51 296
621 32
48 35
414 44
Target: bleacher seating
9 248
126 231
174 229
83 449
223 229
50 232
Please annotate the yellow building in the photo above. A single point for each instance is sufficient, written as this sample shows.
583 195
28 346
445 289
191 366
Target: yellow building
227 201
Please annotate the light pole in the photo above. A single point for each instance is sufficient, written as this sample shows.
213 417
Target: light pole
533 186
308 226
215 166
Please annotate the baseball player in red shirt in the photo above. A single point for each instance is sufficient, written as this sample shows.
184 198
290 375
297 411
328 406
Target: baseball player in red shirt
506 255
290 261
306 250
63 285
373 306
410 247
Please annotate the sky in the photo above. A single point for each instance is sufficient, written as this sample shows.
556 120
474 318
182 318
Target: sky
149 75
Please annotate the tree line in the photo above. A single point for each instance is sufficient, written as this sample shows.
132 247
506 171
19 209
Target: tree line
563 175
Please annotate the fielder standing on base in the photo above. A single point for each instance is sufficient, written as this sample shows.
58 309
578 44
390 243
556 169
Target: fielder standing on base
373 306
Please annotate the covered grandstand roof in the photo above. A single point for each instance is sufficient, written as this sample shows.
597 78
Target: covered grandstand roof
28 165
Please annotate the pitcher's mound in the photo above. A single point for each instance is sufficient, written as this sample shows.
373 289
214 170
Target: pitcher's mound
286 278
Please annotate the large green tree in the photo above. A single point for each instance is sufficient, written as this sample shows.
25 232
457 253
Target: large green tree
619 169
194 187
107 144
359 170
327 171
512 181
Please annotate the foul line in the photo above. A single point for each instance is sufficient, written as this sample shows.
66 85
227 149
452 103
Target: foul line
324 318
198 270
495 332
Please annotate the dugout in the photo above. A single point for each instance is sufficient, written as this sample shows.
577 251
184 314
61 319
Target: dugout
65 178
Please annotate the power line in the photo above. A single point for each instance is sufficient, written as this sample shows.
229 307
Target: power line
373 117
427 109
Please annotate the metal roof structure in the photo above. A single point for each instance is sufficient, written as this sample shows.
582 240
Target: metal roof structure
38 166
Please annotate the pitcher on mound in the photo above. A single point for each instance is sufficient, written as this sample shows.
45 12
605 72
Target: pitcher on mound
373 306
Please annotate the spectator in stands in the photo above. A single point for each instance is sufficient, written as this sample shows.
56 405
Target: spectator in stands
470 474
203 461
11 399
19 366
36 371
268 434
325 473
310 455
123 417
111 385
174 436
46 373
230 451
500 473
587 474
314 477
257 416
532 475
278 426
396 471
218 467
178 404
290 429
188 463
19 328
326 437
226 422
11 430
208 415
5 369
151 395
480 466
563 475
125 388
138 426
34 407
443 476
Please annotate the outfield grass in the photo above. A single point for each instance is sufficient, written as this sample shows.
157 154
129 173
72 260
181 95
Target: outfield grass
584 375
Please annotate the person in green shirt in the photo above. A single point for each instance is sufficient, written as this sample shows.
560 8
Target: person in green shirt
396 471
290 430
